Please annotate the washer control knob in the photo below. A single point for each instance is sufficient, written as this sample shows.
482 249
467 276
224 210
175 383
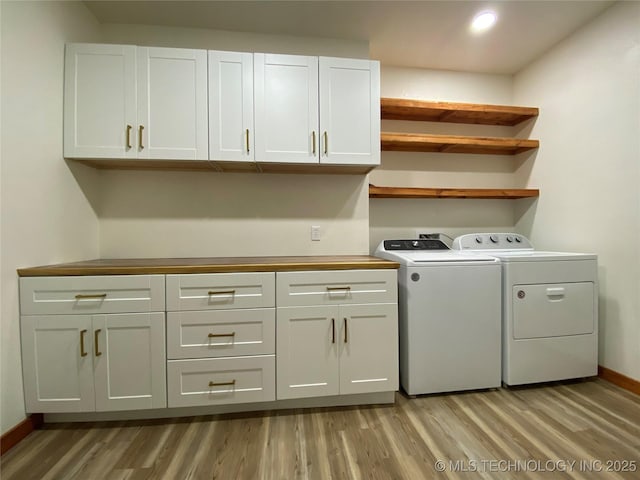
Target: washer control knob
415 243
518 240
478 239
509 239
493 238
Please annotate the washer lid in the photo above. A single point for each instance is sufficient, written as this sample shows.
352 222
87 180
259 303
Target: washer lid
426 258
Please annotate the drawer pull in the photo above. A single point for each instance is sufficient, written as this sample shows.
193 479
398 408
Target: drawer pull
220 384
333 330
95 341
222 292
346 331
215 335
82 351
88 296
333 289
129 127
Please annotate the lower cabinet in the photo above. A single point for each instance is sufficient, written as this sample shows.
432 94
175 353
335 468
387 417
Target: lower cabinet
219 357
336 350
99 344
86 363
221 381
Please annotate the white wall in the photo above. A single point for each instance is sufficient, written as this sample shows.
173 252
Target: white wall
47 215
150 214
402 218
588 166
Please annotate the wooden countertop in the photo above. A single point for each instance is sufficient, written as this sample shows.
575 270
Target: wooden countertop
140 266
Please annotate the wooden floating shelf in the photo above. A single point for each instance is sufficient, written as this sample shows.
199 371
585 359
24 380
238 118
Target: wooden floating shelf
487 193
418 142
421 110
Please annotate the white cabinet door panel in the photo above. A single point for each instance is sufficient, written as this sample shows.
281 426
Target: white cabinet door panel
172 104
209 291
58 371
231 129
368 348
129 361
221 381
336 287
92 294
99 100
349 111
221 333
286 108
307 343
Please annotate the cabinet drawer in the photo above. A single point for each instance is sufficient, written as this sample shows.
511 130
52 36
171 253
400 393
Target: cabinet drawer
336 287
92 294
221 333
220 291
221 381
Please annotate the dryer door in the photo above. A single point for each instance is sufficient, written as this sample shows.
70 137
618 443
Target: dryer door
553 309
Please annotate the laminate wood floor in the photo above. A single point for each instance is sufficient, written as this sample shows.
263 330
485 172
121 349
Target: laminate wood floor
529 432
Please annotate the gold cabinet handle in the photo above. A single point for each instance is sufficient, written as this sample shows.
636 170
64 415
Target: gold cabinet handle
333 289
82 351
129 127
313 142
219 384
140 129
222 292
346 331
93 295
326 143
95 342
215 335
246 135
333 330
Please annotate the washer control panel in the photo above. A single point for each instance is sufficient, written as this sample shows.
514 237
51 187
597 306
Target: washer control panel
492 241
423 244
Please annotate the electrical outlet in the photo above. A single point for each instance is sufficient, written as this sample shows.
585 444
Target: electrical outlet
315 233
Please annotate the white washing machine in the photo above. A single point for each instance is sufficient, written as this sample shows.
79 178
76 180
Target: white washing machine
549 308
449 317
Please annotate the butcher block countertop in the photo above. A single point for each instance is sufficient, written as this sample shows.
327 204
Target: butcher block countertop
142 266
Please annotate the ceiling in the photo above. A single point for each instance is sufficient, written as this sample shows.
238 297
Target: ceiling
427 34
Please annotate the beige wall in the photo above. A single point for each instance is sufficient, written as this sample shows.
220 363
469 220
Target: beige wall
47 214
588 166
403 218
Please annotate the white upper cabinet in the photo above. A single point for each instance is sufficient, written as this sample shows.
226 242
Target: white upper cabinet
99 101
349 111
172 104
231 132
317 110
123 101
152 103
286 108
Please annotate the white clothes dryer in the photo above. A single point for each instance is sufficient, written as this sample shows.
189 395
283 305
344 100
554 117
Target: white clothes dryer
549 308
449 317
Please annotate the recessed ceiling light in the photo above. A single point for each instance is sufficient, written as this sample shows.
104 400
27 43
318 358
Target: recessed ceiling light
483 21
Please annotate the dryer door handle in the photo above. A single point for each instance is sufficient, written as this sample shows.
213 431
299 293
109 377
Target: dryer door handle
555 292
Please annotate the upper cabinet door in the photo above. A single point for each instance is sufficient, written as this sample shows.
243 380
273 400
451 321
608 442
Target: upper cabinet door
172 104
231 131
286 108
99 101
349 111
